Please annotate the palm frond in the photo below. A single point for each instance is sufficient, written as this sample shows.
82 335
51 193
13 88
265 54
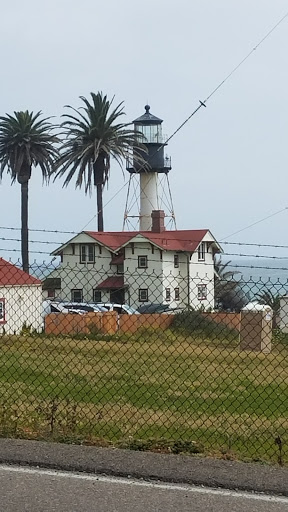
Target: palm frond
92 133
27 140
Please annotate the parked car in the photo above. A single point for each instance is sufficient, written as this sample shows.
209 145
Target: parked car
83 306
256 306
120 308
78 308
157 308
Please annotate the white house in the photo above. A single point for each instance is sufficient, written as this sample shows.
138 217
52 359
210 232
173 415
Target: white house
20 300
158 266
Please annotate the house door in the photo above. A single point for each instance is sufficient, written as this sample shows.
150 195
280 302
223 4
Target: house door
117 296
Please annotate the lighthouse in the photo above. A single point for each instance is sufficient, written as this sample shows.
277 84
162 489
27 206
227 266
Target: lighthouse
157 164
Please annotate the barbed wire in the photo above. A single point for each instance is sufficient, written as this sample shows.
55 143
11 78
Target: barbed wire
264 256
152 260
248 244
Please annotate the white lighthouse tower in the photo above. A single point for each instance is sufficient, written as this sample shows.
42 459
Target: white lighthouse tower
153 182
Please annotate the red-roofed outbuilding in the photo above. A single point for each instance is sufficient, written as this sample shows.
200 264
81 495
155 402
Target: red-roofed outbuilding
20 300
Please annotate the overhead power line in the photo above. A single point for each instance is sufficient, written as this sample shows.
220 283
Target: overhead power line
257 222
203 103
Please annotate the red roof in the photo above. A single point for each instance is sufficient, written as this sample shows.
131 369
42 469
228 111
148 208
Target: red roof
112 282
11 275
185 240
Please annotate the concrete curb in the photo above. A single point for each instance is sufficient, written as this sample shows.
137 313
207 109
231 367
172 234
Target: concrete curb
145 465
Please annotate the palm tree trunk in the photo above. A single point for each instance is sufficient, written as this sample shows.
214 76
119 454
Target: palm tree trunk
24 226
99 180
100 219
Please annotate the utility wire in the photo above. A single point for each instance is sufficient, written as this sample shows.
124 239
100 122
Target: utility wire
203 103
254 223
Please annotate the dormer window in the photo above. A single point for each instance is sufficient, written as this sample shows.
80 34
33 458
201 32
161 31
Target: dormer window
87 253
142 262
201 251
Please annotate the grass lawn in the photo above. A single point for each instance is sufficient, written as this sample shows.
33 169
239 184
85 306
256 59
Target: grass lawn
206 395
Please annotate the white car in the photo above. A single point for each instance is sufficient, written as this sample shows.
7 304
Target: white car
255 306
79 308
120 308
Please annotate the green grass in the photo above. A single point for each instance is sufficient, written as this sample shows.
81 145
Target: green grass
166 391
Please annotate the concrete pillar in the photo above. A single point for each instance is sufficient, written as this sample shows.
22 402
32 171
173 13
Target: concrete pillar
256 331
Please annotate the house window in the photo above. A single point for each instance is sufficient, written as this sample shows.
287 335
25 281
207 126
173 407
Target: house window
201 251
77 295
87 253
97 296
202 291
167 294
51 294
143 294
120 268
2 311
142 262
177 294
176 260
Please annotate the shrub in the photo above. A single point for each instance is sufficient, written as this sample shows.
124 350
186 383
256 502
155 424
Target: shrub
195 324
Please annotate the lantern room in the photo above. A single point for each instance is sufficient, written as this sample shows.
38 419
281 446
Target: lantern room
151 128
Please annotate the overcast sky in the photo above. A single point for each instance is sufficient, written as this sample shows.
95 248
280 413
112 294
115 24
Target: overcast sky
229 163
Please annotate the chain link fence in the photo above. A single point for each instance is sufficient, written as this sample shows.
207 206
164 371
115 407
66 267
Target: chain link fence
161 361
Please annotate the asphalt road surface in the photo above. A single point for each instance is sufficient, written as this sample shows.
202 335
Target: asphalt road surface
39 490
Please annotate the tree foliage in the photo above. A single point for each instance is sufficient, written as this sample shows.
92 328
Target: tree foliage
26 141
229 296
272 300
94 135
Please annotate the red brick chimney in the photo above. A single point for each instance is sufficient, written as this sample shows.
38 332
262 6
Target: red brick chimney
158 217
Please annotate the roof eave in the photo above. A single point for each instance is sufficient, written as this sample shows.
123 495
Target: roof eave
58 251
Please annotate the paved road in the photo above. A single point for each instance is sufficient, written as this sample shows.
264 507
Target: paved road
39 490
179 469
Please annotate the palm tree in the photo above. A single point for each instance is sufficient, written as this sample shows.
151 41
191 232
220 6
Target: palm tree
228 292
267 297
26 141
93 136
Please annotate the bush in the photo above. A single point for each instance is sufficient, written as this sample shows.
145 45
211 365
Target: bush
195 324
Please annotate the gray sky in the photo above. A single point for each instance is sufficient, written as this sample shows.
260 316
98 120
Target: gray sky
229 163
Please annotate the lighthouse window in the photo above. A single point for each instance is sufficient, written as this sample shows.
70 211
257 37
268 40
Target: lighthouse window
151 132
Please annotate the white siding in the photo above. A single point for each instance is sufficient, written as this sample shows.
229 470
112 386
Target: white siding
202 272
159 274
23 306
149 278
85 276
